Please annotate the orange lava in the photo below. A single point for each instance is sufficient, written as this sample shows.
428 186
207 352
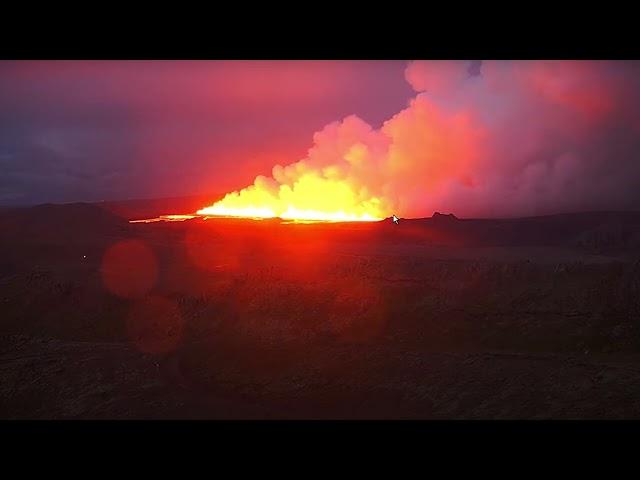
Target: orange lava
312 198
165 218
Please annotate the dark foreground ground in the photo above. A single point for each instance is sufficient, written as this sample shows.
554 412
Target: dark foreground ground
437 318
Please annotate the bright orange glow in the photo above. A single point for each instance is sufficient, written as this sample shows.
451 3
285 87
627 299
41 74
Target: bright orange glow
311 198
248 212
293 213
165 218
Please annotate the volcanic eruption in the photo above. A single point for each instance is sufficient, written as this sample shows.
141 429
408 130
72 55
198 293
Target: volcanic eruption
408 318
533 132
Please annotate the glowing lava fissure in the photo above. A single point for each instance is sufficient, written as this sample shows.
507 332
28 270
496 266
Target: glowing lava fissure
165 218
291 213
312 196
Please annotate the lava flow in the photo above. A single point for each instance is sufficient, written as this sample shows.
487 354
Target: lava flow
291 213
315 195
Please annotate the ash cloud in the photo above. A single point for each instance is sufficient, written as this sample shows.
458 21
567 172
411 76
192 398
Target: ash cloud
554 136
496 139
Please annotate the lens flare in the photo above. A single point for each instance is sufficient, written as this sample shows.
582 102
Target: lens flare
129 269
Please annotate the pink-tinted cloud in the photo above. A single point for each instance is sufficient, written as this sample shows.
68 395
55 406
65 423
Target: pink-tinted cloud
520 138
515 138
556 137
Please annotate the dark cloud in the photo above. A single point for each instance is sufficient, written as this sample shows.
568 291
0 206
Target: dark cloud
74 131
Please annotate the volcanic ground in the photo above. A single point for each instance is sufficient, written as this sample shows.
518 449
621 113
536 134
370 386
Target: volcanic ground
436 318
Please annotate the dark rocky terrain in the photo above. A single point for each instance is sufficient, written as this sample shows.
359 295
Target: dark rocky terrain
438 318
154 207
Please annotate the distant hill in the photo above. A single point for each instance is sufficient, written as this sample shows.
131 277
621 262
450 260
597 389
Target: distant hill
79 222
149 208
64 222
592 230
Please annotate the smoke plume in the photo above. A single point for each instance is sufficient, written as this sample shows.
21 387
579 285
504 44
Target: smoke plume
513 138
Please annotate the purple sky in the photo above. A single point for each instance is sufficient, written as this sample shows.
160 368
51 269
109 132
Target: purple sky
99 130
492 138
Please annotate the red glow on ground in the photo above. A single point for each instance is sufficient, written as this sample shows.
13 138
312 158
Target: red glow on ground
208 250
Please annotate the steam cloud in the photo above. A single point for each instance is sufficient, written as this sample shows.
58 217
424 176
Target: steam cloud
516 138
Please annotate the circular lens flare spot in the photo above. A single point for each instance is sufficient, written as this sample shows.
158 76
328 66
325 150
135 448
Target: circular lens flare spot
129 269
